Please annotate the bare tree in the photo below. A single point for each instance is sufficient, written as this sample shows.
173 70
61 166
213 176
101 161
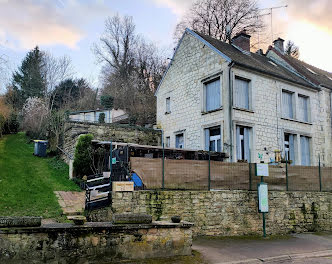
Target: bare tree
132 68
292 50
55 70
221 19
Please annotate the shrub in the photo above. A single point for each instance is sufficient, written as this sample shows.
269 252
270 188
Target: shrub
101 118
82 160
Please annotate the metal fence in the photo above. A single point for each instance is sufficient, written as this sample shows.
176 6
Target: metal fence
208 175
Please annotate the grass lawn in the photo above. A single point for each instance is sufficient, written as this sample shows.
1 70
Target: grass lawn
27 182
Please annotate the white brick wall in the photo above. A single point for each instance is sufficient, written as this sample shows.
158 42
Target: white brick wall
195 62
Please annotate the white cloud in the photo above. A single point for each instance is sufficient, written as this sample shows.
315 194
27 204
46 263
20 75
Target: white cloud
177 7
39 22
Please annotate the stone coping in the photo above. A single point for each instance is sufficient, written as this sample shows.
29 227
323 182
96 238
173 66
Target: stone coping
93 227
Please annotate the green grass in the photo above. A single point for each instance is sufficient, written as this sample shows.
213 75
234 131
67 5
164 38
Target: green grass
27 182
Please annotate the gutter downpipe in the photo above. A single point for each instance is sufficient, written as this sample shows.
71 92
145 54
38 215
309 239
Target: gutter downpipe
230 82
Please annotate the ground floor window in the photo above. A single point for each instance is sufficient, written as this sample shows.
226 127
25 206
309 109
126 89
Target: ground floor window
213 139
305 151
179 141
168 142
289 147
242 143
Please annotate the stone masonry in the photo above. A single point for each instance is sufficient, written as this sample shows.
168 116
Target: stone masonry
228 213
195 62
107 132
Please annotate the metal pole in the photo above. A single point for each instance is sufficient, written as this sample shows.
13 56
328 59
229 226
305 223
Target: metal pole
264 224
163 172
286 171
320 174
111 156
209 176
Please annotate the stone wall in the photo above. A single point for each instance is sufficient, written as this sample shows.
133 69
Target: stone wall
66 243
228 213
107 132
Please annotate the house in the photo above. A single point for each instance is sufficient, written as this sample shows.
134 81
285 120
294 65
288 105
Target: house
222 97
92 116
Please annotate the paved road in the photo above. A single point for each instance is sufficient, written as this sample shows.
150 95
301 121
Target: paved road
217 251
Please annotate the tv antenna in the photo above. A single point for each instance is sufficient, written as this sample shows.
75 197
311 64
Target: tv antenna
271 16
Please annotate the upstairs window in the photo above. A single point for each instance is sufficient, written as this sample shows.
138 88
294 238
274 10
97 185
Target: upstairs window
212 95
213 139
287 104
168 105
179 141
241 93
303 113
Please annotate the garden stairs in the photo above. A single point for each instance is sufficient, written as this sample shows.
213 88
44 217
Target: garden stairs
72 203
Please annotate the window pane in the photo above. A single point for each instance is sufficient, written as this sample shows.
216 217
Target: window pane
212 93
179 141
242 93
305 151
303 108
287 104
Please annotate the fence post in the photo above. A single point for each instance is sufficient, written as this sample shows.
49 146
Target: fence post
320 174
209 176
250 175
286 171
163 179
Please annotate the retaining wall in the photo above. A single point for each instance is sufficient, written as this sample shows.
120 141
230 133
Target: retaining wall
228 213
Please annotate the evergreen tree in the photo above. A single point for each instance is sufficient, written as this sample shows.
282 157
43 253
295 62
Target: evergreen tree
28 80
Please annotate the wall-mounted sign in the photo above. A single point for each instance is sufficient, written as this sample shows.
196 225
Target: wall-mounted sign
263 200
262 169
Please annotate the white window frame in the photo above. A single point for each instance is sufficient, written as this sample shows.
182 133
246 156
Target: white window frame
309 148
213 138
250 143
168 142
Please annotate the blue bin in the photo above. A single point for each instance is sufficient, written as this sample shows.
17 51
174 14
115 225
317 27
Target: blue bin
40 148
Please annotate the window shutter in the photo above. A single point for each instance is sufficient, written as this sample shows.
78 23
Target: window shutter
305 151
238 144
242 93
287 104
246 143
207 139
212 95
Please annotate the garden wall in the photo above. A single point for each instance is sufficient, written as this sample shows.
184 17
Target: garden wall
107 132
228 213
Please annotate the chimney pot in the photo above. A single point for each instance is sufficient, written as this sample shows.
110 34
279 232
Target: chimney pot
242 40
279 45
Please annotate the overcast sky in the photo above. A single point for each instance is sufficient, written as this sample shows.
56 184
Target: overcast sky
70 27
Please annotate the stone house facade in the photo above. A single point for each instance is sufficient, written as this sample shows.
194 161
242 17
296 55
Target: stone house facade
222 97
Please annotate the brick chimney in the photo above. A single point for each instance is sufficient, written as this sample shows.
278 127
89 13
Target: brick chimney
279 45
242 40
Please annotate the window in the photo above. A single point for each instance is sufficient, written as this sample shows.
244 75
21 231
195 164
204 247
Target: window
303 113
213 139
242 143
241 93
287 104
168 105
212 95
168 142
179 141
305 151
289 147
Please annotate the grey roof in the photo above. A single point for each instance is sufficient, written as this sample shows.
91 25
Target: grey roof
318 76
255 62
